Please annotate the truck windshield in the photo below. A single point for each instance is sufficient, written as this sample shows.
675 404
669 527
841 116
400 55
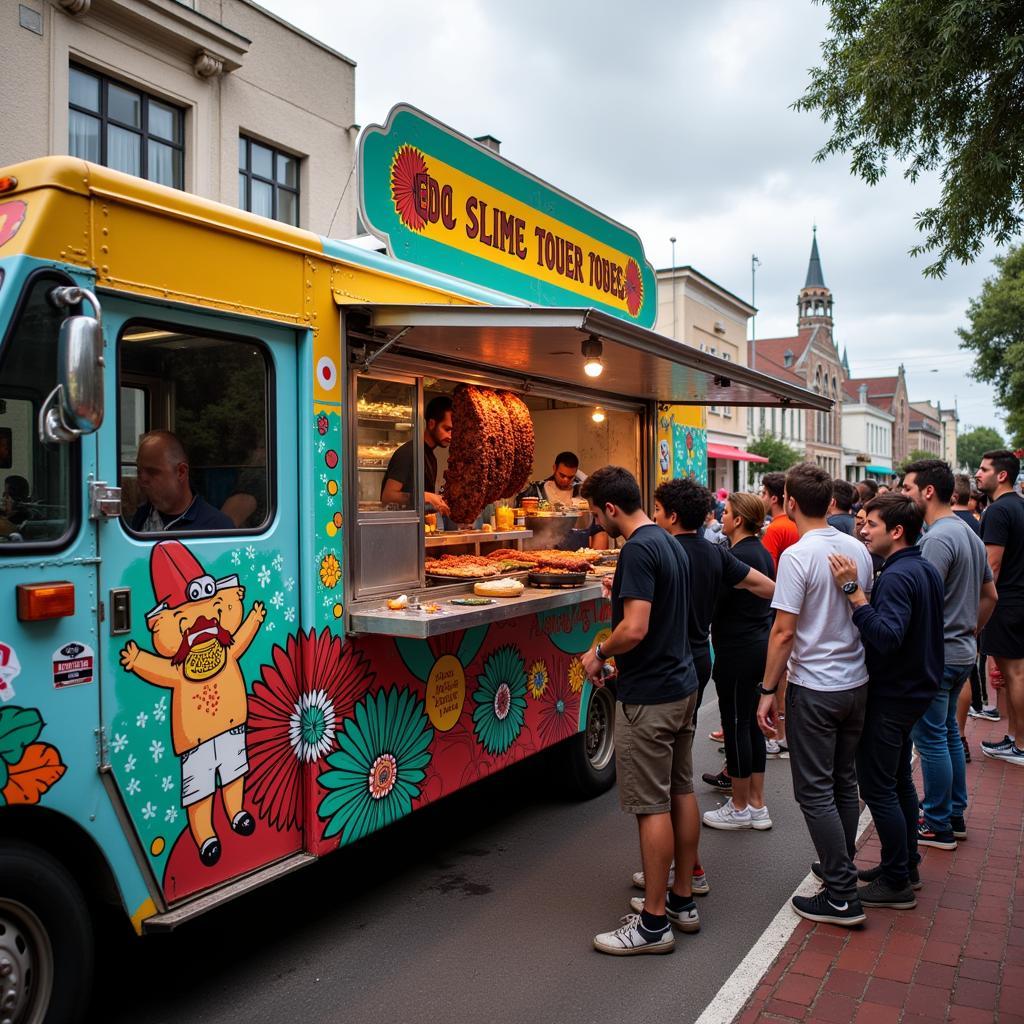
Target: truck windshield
35 502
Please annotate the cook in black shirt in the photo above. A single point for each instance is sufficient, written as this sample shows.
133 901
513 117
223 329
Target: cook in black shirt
680 507
401 472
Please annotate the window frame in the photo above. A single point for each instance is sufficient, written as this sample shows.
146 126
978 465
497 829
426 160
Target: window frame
74 448
271 434
249 175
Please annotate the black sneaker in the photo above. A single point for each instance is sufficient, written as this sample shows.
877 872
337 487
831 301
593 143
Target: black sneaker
993 747
959 827
826 908
879 893
719 781
927 836
870 874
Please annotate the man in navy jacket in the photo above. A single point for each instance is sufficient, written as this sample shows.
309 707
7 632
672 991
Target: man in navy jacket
903 643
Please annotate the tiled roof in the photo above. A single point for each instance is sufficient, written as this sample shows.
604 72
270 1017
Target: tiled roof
881 390
775 367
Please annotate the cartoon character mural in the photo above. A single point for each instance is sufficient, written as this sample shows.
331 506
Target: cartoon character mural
199 636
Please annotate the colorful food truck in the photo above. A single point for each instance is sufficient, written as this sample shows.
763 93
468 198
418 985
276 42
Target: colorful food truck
194 704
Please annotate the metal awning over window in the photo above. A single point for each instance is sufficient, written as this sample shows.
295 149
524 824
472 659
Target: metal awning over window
545 345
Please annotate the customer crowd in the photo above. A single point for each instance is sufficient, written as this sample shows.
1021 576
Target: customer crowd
842 635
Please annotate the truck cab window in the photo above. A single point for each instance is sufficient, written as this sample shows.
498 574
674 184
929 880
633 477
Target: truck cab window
194 432
36 504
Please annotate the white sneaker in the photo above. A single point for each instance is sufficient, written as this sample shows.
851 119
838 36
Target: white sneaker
759 818
776 748
685 920
699 884
628 940
727 817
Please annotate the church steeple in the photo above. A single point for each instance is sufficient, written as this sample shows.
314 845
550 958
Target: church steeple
814 302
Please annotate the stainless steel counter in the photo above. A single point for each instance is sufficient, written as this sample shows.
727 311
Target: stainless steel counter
451 538
376 617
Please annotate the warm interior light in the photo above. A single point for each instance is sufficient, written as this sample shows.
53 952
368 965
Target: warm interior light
598 415
592 351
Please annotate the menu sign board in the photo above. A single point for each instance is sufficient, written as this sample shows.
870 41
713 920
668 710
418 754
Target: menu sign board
443 201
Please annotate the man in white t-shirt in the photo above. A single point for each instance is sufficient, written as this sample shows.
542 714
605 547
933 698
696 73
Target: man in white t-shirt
815 637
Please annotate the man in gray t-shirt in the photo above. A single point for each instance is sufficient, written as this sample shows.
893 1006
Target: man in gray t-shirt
970 595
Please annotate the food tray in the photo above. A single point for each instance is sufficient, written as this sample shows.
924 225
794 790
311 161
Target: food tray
557 579
440 578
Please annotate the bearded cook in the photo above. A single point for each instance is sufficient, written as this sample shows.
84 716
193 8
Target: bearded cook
199 637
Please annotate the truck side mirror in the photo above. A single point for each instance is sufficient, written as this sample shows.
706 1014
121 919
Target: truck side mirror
75 406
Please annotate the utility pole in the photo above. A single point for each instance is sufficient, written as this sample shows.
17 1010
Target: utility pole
754 264
673 241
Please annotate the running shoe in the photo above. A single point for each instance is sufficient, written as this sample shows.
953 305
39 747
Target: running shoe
926 836
827 908
686 920
719 781
759 819
698 883
870 874
959 826
727 817
988 714
717 736
880 893
1014 755
776 749
991 748
632 938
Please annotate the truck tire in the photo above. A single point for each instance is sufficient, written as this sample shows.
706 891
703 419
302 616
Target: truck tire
46 939
589 757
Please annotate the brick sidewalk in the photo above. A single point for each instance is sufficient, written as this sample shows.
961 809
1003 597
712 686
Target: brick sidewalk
958 956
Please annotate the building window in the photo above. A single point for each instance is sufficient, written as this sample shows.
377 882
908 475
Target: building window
124 128
268 181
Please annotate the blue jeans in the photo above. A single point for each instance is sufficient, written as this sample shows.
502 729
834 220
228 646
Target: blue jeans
937 738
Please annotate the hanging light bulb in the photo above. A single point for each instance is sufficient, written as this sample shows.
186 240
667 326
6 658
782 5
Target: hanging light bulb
597 415
592 351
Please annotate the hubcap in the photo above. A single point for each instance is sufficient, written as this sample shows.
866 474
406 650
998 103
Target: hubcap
600 736
26 965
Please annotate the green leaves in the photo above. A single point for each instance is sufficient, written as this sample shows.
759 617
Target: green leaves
937 85
18 728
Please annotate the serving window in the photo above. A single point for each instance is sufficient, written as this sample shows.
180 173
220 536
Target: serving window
213 394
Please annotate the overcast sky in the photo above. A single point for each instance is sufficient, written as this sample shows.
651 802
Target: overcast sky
675 119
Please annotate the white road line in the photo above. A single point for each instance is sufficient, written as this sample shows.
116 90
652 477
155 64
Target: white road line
741 984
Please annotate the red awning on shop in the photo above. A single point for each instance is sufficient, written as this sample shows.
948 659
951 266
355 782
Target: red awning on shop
729 451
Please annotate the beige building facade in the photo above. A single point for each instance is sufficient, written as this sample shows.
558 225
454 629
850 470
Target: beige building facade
217 97
696 311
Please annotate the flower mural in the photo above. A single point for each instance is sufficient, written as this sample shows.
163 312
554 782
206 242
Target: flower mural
634 288
378 769
27 768
501 700
408 171
559 711
577 675
537 679
289 726
330 571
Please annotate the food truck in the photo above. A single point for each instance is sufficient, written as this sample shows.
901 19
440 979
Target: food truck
187 714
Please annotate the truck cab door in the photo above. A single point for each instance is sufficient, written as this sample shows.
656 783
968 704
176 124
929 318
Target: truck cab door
201 684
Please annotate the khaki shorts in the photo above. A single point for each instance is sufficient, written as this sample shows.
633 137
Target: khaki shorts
654 754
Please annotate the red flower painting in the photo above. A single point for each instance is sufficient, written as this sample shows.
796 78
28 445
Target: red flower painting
408 170
634 288
295 711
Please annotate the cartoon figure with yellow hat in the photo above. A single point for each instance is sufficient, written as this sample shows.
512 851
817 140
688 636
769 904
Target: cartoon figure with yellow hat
199 637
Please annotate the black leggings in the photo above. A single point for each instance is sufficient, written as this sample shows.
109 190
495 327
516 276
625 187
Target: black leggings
738 670
979 692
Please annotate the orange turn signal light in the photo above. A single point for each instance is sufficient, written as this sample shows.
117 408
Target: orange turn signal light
8 183
38 601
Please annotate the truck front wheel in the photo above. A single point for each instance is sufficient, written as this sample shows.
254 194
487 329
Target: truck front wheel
590 755
46 939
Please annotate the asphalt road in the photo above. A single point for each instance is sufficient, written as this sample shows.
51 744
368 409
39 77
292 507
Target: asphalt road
479 908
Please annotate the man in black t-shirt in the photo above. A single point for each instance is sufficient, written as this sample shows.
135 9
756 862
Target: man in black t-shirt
657 693
1002 530
401 472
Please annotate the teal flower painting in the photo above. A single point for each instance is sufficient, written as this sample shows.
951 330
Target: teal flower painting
377 772
501 700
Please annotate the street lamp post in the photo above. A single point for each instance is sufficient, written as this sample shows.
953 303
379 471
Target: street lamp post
673 241
754 264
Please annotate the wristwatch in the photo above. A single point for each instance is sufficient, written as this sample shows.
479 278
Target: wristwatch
599 654
767 693
850 588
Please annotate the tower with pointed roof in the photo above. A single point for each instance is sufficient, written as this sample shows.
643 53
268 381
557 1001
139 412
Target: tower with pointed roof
814 302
